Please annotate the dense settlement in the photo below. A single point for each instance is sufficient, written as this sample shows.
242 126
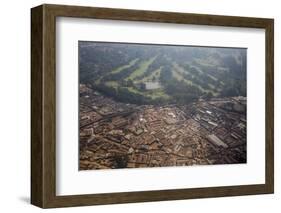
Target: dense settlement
121 135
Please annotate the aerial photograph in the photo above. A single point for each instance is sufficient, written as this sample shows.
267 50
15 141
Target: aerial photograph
156 105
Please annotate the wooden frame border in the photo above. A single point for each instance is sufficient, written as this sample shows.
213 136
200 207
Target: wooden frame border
43 105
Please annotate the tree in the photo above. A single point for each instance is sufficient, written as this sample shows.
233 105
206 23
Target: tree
208 96
166 74
229 92
130 83
120 161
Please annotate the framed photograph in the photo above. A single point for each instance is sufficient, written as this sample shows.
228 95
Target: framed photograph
137 106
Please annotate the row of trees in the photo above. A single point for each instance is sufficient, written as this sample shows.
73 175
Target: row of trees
159 61
124 94
122 74
181 92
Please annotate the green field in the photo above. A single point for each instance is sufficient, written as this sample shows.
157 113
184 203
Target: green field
119 69
184 74
142 68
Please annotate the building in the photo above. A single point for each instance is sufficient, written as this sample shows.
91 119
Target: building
151 85
216 141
